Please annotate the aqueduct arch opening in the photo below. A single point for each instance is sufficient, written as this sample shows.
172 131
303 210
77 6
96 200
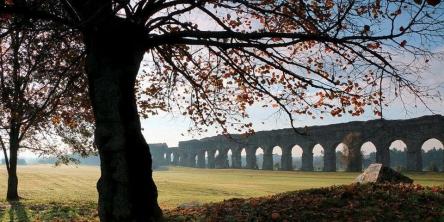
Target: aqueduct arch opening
398 155
259 154
243 157
432 152
296 157
368 154
318 157
341 153
277 158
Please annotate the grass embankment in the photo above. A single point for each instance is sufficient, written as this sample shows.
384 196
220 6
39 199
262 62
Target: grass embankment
69 192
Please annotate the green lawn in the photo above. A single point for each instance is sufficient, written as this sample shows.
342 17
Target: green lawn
62 187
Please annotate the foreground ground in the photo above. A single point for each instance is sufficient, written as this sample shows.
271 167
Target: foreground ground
69 192
369 202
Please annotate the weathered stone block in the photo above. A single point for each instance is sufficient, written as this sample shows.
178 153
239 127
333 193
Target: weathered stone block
377 173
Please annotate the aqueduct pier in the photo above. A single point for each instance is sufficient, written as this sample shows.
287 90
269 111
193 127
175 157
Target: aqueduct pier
212 152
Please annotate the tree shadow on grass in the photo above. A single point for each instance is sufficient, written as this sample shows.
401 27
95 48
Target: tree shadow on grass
17 212
66 212
2 211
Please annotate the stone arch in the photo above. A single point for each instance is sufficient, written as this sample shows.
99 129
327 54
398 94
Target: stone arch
195 160
318 157
432 155
167 158
341 157
368 154
243 152
217 156
201 159
175 158
206 158
398 155
296 157
276 153
259 153
180 158
171 158
230 157
171 155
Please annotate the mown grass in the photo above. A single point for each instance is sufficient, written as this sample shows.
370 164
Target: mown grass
69 192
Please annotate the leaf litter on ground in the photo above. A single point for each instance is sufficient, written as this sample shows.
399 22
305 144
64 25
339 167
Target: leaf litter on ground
355 202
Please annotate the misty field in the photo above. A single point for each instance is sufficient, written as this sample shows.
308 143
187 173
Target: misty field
69 191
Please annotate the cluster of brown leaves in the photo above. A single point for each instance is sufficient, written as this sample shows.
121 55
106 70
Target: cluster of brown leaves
368 202
336 61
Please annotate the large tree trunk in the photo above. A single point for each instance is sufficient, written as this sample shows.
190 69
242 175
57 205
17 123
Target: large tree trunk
126 188
12 193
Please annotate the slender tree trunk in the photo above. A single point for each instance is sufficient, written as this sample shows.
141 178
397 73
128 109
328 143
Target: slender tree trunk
126 188
12 193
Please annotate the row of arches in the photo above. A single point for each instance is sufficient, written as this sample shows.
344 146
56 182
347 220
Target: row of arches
296 159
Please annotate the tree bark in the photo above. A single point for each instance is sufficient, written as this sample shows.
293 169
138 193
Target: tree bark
12 192
126 188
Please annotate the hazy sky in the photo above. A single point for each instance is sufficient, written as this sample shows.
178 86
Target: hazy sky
171 128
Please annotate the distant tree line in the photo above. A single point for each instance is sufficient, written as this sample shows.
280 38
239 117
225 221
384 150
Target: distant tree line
93 160
19 162
432 160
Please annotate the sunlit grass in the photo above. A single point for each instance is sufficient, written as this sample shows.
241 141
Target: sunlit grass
70 191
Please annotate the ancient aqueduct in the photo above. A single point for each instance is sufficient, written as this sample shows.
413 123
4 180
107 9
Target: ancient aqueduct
202 153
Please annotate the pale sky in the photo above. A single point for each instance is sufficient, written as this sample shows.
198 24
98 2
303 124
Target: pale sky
170 129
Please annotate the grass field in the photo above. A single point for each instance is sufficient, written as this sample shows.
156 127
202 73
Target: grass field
64 186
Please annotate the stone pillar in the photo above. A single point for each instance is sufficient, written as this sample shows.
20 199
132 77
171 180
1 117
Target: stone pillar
192 160
353 142
330 158
222 159
268 158
414 157
251 158
414 161
211 159
201 159
175 160
355 160
307 158
183 161
383 153
286 159
236 159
